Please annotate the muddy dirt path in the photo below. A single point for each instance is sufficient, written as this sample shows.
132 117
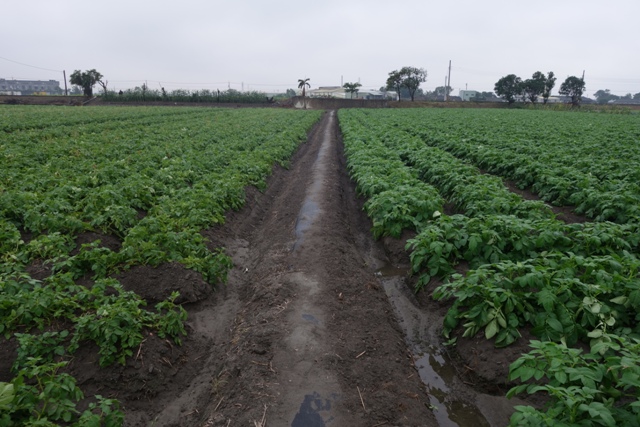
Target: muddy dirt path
314 341
303 332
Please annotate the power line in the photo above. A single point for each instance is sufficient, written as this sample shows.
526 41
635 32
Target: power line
32 66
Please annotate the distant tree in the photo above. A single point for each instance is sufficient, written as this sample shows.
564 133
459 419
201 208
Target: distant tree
509 87
290 93
412 77
534 87
627 96
488 95
549 83
573 87
394 83
604 96
352 88
85 80
303 84
636 96
408 78
104 84
442 91
420 94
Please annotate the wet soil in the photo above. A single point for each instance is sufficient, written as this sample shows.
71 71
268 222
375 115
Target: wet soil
315 341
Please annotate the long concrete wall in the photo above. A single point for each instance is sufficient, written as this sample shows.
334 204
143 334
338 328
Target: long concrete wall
42 100
335 103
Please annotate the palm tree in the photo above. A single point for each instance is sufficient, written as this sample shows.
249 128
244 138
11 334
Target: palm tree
352 88
303 84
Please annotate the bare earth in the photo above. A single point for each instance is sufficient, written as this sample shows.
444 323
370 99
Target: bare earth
314 341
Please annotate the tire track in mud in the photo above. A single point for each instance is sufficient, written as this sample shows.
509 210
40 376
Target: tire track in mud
315 341
308 337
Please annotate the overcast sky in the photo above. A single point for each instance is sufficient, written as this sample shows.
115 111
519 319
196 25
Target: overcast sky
267 45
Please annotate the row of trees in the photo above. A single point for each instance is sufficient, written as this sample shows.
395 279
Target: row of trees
512 88
86 80
145 94
604 96
405 82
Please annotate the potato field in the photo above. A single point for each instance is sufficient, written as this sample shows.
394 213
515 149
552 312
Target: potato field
150 177
524 223
575 286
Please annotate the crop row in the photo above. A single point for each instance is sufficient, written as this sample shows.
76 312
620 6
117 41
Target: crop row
584 161
565 282
396 198
19 118
154 182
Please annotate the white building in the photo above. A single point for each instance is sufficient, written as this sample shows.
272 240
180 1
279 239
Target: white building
30 87
328 92
467 95
341 93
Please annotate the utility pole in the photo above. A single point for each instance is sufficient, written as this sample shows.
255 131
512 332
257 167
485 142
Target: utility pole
64 75
446 88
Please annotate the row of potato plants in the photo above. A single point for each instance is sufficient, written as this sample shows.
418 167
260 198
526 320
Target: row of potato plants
396 198
587 161
496 224
28 117
154 180
565 282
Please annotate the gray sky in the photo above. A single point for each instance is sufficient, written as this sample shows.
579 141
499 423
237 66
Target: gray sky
269 45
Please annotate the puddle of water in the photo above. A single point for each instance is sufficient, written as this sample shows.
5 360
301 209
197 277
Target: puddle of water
306 217
309 414
433 366
436 373
310 208
311 318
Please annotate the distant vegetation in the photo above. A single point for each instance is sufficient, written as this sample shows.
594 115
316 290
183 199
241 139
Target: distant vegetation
512 88
144 94
406 79
605 96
